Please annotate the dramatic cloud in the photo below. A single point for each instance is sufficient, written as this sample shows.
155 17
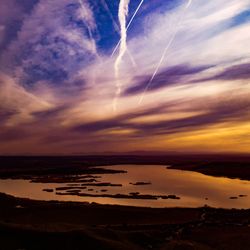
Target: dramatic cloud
172 75
53 43
58 84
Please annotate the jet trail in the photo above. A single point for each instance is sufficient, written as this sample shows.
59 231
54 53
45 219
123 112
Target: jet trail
130 22
116 27
106 7
84 15
164 53
122 14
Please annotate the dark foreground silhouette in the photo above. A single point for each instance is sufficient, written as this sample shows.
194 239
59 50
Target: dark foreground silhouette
232 166
27 224
35 225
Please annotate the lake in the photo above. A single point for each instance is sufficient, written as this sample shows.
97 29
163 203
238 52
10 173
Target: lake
193 189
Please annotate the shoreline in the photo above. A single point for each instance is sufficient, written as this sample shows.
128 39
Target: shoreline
227 170
215 165
65 225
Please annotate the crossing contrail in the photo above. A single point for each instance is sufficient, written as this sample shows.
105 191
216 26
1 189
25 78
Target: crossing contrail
106 7
164 53
130 22
122 14
116 27
84 15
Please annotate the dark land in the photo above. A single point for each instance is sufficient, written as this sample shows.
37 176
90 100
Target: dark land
28 224
232 166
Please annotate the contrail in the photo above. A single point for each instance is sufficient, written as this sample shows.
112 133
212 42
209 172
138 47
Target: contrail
106 7
84 14
122 14
116 27
130 22
164 53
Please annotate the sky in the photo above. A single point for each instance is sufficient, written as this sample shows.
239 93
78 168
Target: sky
117 76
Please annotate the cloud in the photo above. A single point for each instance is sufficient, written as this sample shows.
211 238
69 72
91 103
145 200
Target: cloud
199 40
178 74
17 103
235 72
12 14
57 80
53 43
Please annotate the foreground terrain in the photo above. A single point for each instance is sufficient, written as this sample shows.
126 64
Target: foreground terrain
27 224
232 166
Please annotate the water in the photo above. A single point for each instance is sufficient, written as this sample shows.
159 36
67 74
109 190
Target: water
192 188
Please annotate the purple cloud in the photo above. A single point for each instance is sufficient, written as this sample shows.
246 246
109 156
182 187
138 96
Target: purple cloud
235 72
172 75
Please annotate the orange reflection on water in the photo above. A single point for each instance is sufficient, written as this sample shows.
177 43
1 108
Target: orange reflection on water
193 188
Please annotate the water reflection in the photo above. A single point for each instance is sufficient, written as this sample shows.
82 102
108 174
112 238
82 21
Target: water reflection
194 189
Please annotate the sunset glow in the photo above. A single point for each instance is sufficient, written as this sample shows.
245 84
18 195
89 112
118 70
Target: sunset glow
59 80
